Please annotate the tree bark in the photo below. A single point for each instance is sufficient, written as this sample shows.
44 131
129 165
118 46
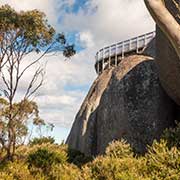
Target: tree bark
165 13
165 21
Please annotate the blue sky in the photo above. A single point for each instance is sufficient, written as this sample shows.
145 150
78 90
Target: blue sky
90 24
77 5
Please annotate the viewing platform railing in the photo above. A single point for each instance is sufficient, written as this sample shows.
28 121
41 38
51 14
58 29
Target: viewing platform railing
118 51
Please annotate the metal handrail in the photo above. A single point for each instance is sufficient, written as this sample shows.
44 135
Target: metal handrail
124 47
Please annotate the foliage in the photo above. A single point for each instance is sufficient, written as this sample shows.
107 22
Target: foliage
159 163
41 140
108 168
52 161
44 159
172 136
24 151
28 31
119 149
21 112
18 170
48 161
117 163
163 163
77 158
65 172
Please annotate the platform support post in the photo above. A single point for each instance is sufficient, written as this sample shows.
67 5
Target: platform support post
109 57
122 50
137 45
116 57
145 41
103 59
129 44
97 63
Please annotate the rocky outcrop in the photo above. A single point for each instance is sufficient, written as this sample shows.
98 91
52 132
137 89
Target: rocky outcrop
168 62
127 102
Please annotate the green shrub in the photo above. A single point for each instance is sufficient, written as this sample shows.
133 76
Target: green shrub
163 163
16 171
109 168
5 176
65 172
172 136
24 151
159 163
78 158
57 162
42 140
119 149
44 159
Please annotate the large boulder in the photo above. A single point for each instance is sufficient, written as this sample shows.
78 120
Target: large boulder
127 102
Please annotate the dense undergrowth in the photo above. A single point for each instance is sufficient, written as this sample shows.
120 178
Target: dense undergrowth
49 161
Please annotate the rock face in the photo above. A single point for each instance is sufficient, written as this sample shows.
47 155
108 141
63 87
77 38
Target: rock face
124 102
168 62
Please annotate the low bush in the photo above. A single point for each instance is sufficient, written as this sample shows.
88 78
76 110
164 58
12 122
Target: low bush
65 172
43 159
163 162
16 171
42 140
24 151
172 136
78 158
110 168
119 149
49 161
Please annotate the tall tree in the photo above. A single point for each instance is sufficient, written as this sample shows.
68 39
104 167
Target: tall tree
22 33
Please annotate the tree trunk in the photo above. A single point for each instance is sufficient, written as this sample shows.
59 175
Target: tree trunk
9 146
10 132
167 44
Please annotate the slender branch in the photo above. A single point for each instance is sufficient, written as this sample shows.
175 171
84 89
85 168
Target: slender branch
34 62
38 72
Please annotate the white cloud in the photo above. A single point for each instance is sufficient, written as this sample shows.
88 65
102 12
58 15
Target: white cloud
86 39
63 91
110 21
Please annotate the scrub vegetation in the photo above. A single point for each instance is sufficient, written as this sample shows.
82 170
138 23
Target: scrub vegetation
50 161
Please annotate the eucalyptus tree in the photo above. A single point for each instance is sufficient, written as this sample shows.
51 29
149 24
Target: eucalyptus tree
21 34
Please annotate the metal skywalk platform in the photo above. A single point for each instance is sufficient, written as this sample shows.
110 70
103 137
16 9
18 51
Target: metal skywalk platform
111 55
